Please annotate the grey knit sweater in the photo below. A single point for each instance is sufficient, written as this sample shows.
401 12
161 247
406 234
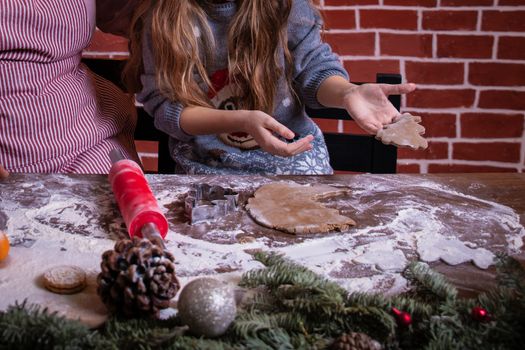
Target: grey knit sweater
237 153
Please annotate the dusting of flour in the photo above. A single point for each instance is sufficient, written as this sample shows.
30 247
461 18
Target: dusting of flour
73 220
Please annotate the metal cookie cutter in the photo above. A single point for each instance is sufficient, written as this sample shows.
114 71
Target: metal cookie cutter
206 203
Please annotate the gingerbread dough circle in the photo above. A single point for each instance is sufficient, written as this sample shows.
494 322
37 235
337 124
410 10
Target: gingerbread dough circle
293 208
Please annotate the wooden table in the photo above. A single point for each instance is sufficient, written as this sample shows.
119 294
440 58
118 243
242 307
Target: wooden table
73 219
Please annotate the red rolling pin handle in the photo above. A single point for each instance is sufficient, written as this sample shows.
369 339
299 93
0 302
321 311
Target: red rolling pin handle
137 204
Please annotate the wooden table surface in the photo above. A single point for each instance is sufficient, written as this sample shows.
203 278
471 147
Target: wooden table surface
72 219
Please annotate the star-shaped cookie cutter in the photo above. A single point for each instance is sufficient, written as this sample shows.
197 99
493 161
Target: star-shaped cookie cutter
208 203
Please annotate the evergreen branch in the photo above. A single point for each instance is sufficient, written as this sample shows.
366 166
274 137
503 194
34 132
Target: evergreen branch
271 339
365 299
138 333
27 326
370 320
302 310
269 259
281 271
277 275
188 342
415 307
402 302
250 324
317 304
310 300
283 330
510 273
428 284
263 301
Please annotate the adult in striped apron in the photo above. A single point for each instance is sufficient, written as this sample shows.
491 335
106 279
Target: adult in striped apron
56 115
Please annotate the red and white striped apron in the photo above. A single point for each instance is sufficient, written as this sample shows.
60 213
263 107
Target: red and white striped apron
56 115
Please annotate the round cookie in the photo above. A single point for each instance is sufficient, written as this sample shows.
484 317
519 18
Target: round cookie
65 279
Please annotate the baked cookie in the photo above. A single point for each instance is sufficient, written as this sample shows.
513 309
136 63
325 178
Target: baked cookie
65 279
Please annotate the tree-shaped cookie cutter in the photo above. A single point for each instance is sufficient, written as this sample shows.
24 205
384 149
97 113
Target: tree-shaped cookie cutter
208 203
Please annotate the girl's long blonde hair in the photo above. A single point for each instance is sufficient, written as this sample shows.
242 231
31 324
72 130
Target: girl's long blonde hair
257 39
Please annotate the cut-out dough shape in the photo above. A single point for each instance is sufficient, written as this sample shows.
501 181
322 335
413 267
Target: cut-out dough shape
293 208
405 132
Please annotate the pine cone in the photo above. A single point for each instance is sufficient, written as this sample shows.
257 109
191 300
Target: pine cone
355 341
137 278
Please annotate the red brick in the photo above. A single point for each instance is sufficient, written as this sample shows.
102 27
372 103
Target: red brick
490 125
449 98
512 2
511 47
147 146
438 124
420 3
497 74
413 45
463 168
351 127
327 125
366 70
496 151
102 42
467 3
350 2
503 21
435 150
408 168
450 20
502 99
362 44
150 164
389 19
465 46
434 72
339 19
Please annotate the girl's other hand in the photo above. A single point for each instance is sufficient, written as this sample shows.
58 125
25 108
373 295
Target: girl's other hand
3 173
369 106
262 127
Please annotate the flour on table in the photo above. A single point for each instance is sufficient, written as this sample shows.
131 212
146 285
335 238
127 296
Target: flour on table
383 255
400 219
452 251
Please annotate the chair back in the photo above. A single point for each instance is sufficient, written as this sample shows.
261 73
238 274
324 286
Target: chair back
359 153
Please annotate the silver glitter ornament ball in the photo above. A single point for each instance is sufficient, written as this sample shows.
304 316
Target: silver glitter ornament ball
207 307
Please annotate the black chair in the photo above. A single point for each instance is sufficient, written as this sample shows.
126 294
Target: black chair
356 153
360 153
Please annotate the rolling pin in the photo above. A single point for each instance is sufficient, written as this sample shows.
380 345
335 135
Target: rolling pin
137 204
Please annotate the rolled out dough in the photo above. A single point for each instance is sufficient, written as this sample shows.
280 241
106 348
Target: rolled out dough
293 208
405 131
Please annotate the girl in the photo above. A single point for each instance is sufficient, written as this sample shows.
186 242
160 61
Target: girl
228 81
55 115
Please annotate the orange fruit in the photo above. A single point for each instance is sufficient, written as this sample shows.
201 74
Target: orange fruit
4 246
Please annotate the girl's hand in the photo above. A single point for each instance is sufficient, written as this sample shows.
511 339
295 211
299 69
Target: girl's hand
3 173
263 128
369 106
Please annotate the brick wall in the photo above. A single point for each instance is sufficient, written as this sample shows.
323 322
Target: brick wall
467 57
